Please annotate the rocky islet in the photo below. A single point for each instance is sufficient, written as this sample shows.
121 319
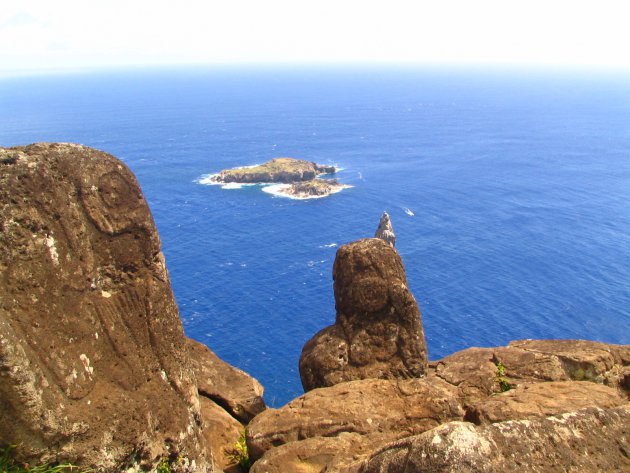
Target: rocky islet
95 369
291 177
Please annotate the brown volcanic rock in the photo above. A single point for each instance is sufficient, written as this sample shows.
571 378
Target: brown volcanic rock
220 430
589 440
234 390
543 399
317 454
389 408
474 370
583 359
378 331
93 361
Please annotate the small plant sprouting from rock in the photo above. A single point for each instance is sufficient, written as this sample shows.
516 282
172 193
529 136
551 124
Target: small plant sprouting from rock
239 454
9 465
504 384
163 467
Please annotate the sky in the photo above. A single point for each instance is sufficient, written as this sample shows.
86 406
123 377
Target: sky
44 35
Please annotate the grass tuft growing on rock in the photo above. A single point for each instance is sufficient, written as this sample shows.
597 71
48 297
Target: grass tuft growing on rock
239 454
504 384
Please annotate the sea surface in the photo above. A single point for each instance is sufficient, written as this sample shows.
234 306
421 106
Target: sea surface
509 193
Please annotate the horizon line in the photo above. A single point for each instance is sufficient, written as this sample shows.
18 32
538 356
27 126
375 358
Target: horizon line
590 69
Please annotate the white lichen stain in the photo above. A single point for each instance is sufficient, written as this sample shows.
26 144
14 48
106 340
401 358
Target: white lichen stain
106 294
52 249
464 441
86 364
163 375
96 335
436 440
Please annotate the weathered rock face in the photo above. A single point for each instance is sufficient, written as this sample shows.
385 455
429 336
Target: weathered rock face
385 231
474 370
589 440
221 432
234 390
377 409
583 360
319 454
93 360
378 331
543 399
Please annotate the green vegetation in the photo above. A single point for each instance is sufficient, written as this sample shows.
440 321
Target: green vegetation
239 454
163 467
504 384
9 465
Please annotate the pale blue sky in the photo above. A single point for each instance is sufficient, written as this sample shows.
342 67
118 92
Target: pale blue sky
44 35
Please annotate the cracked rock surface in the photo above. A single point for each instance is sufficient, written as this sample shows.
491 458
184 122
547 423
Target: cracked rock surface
588 440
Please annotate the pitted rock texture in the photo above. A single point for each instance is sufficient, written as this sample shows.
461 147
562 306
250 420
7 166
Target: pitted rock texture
375 408
590 440
221 432
234 390
474 370
320 454
93 361
378 330
543 399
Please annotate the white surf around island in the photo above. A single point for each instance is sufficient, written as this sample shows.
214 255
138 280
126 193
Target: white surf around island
282 190
275 189
207 180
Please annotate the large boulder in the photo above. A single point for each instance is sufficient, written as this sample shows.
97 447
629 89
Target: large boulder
93 361
221 432
475 371
589 440
237 392
583 360
378 330
319 454
543 399
376 409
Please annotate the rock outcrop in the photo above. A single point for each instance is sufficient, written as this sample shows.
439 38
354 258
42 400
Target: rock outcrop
373 410
221 432
474 370
378 331
232 389
543 399
589 440
280 170
312 189
385 231
93 361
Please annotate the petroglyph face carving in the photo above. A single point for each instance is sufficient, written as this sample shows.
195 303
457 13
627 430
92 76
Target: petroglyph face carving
83 258
112 202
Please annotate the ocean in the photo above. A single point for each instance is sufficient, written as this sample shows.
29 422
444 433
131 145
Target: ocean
509 193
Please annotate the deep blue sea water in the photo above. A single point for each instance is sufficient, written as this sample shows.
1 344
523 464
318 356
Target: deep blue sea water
519 183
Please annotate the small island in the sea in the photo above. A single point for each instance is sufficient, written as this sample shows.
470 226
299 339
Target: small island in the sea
296 178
